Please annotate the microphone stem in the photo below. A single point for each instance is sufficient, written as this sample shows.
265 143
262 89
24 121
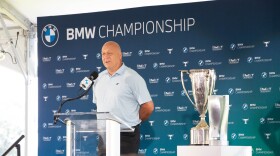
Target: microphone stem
70 99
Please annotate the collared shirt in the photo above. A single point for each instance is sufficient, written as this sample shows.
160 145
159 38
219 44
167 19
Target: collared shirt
121 94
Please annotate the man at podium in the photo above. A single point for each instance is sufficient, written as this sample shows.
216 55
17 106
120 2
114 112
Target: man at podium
123 92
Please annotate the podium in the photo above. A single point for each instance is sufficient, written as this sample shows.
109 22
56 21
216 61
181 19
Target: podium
85 129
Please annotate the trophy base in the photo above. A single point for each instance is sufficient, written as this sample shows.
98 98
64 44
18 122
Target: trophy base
218 143
199 136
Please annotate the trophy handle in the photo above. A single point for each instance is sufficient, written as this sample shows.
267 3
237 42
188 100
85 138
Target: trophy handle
183 84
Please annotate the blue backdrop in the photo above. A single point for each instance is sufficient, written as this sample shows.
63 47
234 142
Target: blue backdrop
240 40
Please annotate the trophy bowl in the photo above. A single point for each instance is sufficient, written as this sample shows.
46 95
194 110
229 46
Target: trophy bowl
203 84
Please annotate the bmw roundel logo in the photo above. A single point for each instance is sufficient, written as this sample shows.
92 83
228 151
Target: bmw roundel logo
140 52
155 65
185 50
50 35
200 63
233 136
98 55
232 46
245 106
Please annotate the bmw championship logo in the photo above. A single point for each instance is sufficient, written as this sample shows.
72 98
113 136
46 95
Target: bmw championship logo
50 35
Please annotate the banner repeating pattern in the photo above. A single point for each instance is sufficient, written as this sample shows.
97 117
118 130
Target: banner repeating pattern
240 40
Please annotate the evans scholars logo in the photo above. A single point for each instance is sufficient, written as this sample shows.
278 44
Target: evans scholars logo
50 35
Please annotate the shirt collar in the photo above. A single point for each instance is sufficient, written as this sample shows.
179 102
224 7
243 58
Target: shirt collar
119 71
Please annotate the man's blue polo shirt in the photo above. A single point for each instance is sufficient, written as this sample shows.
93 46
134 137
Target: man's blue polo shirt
121 94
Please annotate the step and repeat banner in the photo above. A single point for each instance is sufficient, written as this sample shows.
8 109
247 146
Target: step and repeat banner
240 40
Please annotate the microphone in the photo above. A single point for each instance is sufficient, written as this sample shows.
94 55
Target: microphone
86 84
87 81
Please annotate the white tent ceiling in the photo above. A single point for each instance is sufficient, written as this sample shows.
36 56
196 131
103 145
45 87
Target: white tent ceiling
32 9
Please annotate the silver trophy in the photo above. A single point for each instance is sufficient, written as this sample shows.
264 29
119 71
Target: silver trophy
203 84
218 110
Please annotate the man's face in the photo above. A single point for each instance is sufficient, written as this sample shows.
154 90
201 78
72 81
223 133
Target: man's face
111 57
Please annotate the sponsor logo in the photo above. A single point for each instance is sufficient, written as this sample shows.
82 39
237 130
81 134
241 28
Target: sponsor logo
85 56
159 109
232 46
224 77
168 93
233 136
98 69
239 91
173 123
217 47
170 136
254 106
266 43
59 151
262 120
50 35
70 85
258 59
155 151
230 91
58 58
267 135
272 121
185 136
200 62
233 61
185 50
50 86
250 60
141 66
242 136
211 63
151 123
170 50
147 52
78 70
241 46
46 59
185 63
262 60
277 105
164 151
245 106
59 71
45 98
264 75
265 89
273 75
58 98
260 151
245 121
196 50
162 65
127 54
46 138
182 108
72 70
149 137
98 56
155 65
142 151
248 76
153 80
140 53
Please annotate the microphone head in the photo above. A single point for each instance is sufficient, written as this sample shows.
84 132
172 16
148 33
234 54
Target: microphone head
93 75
